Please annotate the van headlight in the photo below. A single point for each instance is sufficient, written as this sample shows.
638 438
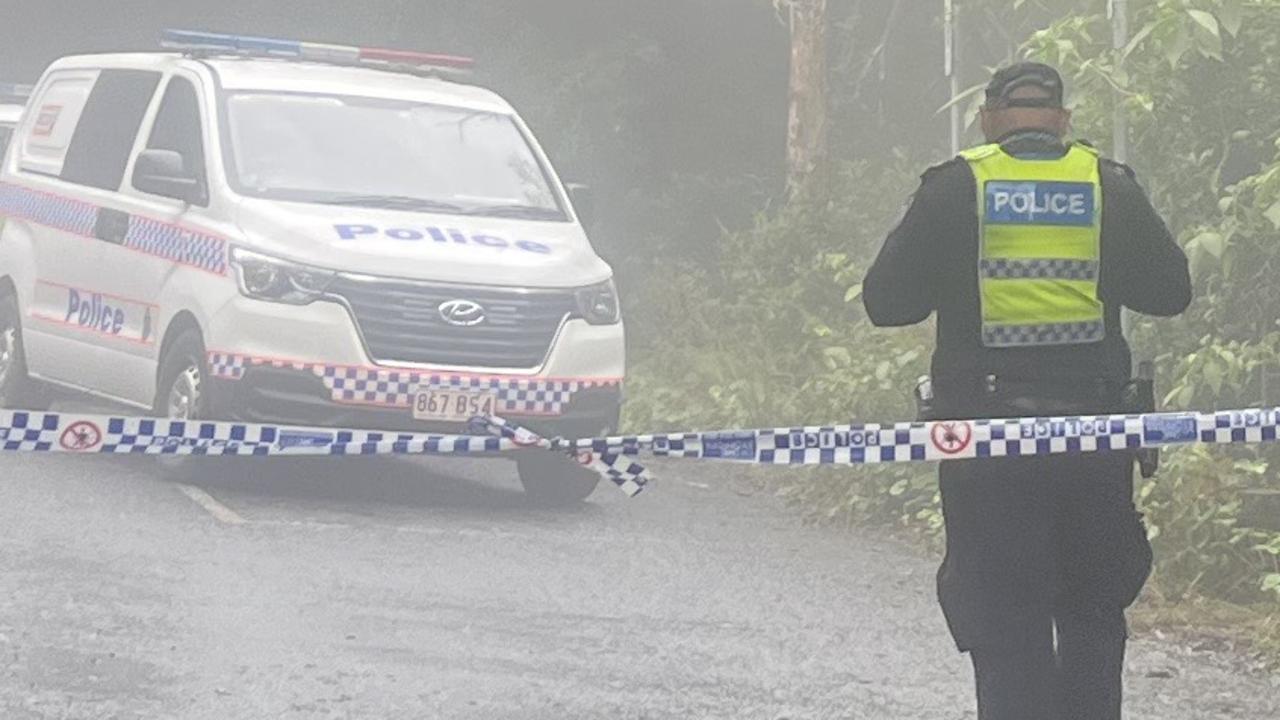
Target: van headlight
598 304
263 277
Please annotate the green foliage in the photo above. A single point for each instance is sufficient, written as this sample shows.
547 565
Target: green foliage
767 327
1194 515
773 329
1200 83
774 332
1195 89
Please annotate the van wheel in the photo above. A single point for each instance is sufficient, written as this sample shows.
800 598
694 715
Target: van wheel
181 395
553 479
181 390
17 389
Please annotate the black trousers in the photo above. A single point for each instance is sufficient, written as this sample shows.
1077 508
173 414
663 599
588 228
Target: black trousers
1043 556
1080 679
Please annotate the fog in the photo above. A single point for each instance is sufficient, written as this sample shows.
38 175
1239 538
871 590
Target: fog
579 219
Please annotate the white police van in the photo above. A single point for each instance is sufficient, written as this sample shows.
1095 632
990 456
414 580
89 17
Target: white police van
13 98
276 231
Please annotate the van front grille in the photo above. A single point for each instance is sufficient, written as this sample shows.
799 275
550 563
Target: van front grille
402 323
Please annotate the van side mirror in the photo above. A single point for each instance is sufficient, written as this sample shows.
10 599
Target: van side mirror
584 202
165 173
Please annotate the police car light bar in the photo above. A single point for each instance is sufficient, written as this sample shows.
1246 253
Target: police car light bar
15 92
205 42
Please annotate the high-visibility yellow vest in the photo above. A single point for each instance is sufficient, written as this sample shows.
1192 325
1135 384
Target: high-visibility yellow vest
1040 237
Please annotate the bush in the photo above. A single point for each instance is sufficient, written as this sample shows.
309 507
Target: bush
766 327
772 331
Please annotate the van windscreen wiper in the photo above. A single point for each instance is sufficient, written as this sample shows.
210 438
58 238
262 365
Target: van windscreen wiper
392 202
520 212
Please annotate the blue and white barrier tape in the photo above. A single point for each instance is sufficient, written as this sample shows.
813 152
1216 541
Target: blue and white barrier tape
814 445
611 463
25 431
953 439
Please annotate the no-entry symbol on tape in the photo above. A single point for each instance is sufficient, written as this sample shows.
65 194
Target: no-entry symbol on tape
82 436
951 438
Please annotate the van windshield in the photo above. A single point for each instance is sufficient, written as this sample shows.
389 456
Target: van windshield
375 152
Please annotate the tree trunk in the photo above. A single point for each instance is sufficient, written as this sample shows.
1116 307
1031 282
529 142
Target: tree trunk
807 127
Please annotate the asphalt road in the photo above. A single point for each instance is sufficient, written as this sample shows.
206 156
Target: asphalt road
388 589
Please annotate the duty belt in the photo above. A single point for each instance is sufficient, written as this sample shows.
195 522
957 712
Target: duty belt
997 397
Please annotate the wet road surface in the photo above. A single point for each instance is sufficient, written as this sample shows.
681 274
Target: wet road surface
369 588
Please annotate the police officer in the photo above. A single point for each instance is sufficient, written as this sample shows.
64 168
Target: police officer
1027 249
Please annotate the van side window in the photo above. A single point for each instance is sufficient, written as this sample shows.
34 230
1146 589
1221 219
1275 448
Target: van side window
177 128
42 138
103 139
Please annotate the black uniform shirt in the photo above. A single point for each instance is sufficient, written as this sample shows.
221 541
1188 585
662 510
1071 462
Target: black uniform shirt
929 264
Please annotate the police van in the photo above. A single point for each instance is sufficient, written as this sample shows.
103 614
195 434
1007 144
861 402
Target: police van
278 231
13 98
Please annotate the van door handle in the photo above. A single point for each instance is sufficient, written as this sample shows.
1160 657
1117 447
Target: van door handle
111 226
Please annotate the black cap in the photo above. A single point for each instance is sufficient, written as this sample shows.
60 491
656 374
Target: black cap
1025 74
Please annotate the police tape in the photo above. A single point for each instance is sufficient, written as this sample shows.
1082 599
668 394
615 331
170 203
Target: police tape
52 432
854 444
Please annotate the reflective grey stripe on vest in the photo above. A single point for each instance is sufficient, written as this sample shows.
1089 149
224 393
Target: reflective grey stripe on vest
1007 269
1050 334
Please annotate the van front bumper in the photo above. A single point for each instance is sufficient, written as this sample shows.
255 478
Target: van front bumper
307 396
257 374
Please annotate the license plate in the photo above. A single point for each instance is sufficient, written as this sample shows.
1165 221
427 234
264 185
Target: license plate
453 405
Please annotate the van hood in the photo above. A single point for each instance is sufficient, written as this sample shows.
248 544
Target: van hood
423 246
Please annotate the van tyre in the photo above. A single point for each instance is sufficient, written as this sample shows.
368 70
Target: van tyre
550 478
183 380
17 389
181 394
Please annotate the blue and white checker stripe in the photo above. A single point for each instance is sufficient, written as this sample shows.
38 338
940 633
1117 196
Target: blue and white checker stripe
953 440
177 244
22 431
55 211
994 335
153 237
1053 269
396 388
612 464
